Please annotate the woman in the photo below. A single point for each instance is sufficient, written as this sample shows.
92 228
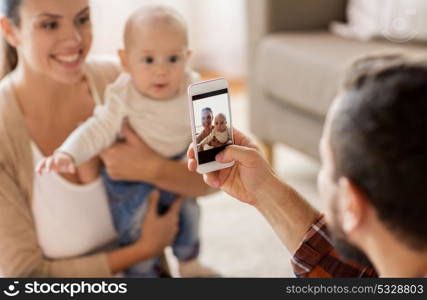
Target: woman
207 118
54 227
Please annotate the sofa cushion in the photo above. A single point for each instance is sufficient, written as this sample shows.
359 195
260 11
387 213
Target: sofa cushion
305 69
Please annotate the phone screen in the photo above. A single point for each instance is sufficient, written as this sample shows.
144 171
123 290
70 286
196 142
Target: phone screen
212 124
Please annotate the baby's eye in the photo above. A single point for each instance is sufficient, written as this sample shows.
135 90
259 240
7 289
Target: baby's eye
148 60
173 59
50 25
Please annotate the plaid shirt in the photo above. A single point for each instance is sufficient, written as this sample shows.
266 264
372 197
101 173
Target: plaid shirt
316 257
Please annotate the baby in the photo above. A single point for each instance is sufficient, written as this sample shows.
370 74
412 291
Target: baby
219 136
151 94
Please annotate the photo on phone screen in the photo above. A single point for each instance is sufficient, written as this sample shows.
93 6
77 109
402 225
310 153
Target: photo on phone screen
212 124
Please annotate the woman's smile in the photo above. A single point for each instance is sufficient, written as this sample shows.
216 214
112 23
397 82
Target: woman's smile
69 60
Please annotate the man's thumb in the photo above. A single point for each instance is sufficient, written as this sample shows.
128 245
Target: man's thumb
236 153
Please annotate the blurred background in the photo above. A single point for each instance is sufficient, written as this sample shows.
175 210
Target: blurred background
217 30
284 60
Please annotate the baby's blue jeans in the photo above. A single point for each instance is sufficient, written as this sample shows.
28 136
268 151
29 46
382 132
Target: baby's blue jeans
128 202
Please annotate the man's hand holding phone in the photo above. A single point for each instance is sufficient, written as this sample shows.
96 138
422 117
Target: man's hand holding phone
250 173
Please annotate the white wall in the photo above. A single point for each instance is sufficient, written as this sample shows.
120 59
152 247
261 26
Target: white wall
217 30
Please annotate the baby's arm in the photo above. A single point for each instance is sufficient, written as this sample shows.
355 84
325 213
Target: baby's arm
89 139
97 133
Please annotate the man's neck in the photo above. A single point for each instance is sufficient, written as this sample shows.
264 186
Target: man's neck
392 257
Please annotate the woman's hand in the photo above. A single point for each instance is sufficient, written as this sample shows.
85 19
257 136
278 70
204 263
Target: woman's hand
131 159
249 175
158 232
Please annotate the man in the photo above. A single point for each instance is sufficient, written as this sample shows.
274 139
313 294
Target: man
372 181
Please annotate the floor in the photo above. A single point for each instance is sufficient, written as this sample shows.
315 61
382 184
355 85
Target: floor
235 238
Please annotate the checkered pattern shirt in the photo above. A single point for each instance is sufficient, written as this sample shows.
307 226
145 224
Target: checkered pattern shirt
316 257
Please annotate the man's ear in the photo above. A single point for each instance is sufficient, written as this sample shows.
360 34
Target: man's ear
124 60
9 31
353 205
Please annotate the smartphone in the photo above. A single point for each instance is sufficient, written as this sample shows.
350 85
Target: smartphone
211 125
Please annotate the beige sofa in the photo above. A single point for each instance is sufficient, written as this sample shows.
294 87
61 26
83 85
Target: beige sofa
295 66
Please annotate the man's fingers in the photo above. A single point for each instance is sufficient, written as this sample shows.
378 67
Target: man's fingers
153 202
242 140
190 151
192 165
71 169
212 179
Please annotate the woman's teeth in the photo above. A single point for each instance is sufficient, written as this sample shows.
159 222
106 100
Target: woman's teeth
68 58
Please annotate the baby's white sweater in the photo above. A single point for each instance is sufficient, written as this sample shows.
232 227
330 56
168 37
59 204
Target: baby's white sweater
164 125
222 137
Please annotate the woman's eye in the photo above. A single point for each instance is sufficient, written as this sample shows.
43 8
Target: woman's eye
83 20
173 59
50 25
148 60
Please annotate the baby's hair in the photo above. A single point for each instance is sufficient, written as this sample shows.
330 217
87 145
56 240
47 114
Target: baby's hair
154 15
222 116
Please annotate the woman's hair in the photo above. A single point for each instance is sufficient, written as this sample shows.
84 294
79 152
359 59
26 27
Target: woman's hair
10 9
207 109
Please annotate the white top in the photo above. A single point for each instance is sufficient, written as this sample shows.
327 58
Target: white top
71 220
222 137
163 124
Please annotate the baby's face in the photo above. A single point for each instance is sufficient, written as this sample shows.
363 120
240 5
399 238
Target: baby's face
220 124
157 61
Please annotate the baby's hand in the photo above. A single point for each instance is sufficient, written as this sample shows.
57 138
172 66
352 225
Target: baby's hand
59 162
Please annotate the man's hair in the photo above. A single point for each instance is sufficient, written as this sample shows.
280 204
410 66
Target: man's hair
379 141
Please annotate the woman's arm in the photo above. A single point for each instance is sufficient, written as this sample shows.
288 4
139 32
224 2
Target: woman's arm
133 160
201 136
174 176
207 139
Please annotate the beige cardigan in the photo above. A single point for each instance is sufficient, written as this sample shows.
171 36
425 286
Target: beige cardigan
20 253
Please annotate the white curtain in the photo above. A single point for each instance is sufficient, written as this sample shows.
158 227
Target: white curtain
217 30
